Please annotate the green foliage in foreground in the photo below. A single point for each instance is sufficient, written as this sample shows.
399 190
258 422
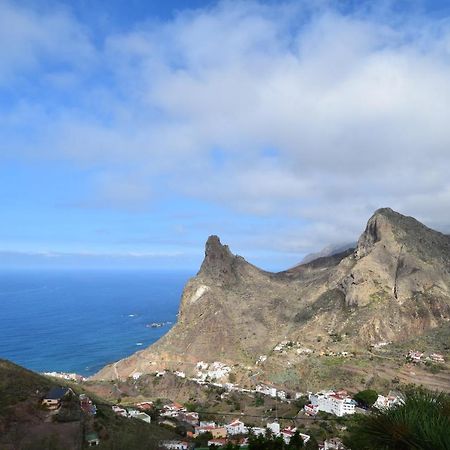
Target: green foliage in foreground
422 422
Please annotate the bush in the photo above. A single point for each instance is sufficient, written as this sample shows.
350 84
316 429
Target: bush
421 422
366 398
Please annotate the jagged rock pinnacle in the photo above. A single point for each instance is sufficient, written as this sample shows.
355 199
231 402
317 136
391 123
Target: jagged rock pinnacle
218 262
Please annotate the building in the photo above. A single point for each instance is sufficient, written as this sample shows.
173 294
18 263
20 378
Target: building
274 427
216 431
87 406
332 444
387 402
134 414
145 406
414 356
437 357
92 439
54 397
311 410
236 427
288 432
119 411
191 418
175 445
333 402
219 442
266 390
172 410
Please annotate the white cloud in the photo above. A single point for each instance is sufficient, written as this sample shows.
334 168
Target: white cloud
32 37
356 106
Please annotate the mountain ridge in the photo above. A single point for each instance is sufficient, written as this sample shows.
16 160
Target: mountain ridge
393 286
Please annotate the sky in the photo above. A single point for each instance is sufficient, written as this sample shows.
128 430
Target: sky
131 131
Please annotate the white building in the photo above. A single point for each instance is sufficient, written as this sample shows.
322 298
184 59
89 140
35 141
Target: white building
332 444
387 402
437 357
119 411
288 432
175 445
214 371
236 427
266 390
337 403
415 356
274 427
258 431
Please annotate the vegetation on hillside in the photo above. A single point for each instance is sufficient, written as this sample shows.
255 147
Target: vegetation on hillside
421 422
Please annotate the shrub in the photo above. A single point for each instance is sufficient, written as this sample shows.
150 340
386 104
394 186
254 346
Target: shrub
421 422
366 398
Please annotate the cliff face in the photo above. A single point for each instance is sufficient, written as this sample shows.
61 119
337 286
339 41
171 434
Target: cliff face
395 284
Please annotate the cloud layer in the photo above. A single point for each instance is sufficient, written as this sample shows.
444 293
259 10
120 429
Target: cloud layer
306 113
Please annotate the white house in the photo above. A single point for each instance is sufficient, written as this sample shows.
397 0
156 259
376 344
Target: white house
274 427
134 414
338 403
332 444
258 431
387 402
437 357
236 427
175 445
218 442
119 411
266 390
288 432
415 356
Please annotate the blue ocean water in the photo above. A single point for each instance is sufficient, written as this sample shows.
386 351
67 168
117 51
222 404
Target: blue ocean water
78 321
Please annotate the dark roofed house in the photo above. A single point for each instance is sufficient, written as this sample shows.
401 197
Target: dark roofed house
54 396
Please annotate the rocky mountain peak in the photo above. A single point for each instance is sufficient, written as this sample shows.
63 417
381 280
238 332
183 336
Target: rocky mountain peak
396 230
377 228
219 261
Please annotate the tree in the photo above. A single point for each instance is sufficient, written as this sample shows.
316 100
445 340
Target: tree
231 446
366 398
202 439
296 442
420 422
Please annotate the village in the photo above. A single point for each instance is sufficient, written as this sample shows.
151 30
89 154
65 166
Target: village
199 432
203 429
237 431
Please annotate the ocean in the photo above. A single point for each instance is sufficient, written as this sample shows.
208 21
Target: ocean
78 321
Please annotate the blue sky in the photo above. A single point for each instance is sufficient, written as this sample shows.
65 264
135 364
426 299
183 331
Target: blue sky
133 130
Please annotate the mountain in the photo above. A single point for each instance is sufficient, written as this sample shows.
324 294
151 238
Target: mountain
329 250
393 287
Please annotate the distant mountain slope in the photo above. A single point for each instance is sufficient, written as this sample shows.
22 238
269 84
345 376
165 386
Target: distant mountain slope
329 250
394 285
